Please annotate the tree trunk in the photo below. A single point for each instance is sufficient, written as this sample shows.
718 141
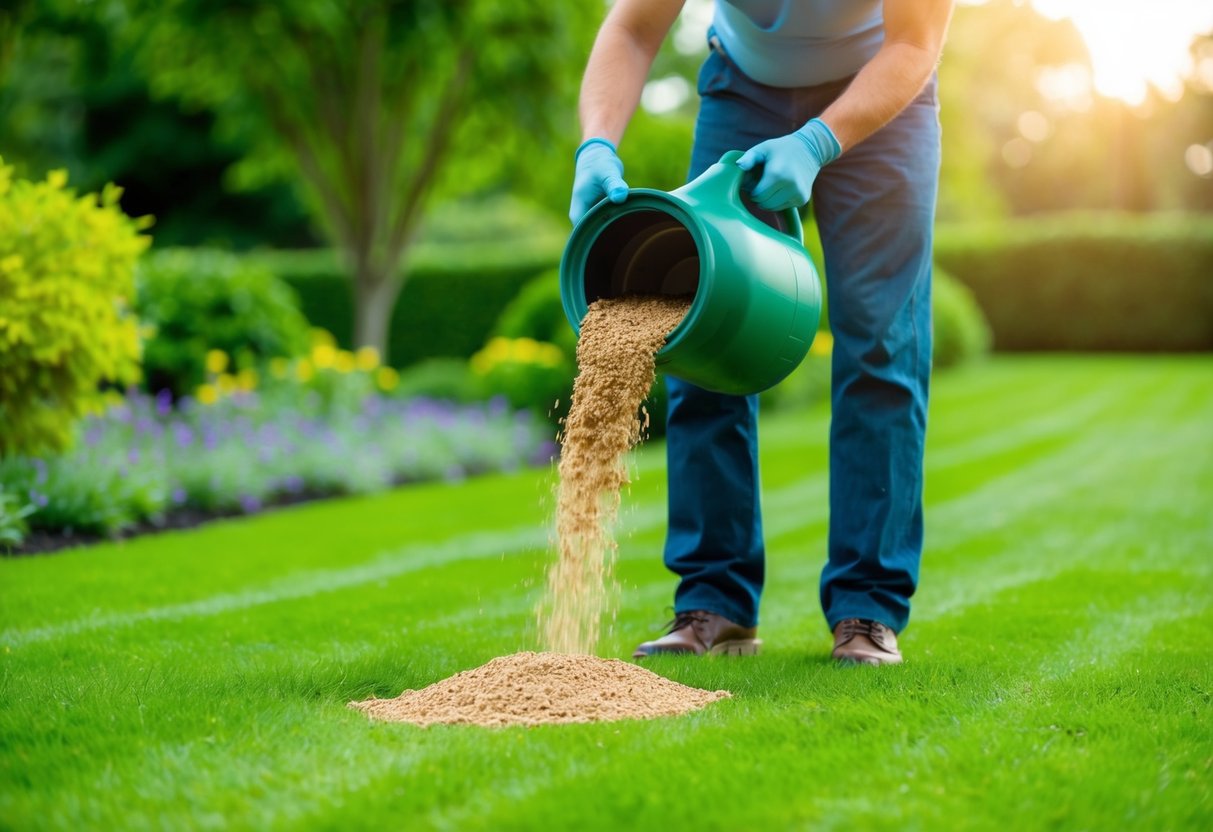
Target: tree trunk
375 295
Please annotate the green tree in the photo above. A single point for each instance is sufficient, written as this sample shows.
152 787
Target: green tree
372 105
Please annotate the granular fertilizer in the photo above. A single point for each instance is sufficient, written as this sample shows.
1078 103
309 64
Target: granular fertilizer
615 370
542 688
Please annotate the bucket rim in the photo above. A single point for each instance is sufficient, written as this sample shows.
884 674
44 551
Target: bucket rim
595 222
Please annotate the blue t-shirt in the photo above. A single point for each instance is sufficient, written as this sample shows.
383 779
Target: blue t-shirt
799 43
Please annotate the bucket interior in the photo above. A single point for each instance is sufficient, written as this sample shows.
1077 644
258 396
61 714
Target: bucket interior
642 253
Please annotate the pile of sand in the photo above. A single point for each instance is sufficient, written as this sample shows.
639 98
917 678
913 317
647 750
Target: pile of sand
615 370
615 359
540 689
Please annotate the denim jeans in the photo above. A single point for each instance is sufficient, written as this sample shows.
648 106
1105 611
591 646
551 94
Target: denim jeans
875 208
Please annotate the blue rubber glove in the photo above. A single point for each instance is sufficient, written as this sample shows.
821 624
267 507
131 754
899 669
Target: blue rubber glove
790 164
599 173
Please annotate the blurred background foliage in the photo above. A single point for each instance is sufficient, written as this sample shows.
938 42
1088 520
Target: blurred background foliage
176 102
359 206
349 147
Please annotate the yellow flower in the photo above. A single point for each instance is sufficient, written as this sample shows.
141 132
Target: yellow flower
225 383
304 371
246 380
525 349
323 356
278 367
823 344
387 378
344 362
216 361
206 394
367 358
57 178
322 338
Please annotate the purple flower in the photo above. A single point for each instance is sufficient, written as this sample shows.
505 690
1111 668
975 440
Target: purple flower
249 503
545 453
178 496
39 499
164 403
183 435
39 471
293 483
132 456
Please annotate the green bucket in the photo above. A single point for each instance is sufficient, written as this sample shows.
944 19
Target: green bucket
757 296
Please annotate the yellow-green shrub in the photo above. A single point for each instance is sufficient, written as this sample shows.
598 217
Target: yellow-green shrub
66 326
530 374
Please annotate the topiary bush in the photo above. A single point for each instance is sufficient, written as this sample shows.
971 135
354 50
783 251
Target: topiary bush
1089 281
960 328
66 324
200 302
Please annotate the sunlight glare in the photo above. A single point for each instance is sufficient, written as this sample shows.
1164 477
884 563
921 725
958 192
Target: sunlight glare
1133 46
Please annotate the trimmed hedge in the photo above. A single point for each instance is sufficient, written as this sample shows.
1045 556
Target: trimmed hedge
452 296
1089 282
471 259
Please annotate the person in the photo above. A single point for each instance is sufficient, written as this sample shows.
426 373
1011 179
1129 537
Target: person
833 100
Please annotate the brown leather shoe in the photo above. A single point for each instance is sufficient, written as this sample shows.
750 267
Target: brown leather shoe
859 641
698 632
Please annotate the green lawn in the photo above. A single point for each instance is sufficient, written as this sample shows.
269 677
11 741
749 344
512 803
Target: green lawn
1058 675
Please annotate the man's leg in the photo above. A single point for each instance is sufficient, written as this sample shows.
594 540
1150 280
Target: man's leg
875 210
715 541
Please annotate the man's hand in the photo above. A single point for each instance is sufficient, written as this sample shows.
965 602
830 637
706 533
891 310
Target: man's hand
790 164
599 173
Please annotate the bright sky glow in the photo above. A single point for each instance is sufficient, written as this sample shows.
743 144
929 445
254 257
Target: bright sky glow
1133 44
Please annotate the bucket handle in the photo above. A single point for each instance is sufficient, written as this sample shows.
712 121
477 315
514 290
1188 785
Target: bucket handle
731 176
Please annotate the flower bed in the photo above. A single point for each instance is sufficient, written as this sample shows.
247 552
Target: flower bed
146 460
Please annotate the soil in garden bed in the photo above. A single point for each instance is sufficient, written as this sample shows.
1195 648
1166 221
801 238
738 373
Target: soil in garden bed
540 689
40 542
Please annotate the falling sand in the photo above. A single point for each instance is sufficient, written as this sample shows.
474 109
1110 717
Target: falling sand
542 688
616 356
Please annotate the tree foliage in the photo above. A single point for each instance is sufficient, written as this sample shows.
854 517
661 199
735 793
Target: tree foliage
375 105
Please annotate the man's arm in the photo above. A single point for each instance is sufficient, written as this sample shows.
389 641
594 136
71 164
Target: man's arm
913 39
914 32
619 64
614 78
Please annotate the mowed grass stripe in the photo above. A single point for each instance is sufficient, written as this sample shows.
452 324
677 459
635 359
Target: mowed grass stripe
957 589
337 530
783 519
802 787
505 541
177 718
